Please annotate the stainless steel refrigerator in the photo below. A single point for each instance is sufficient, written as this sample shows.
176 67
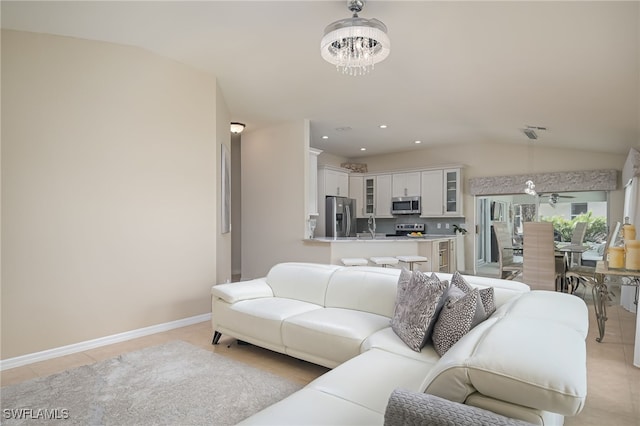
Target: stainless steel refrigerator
340 217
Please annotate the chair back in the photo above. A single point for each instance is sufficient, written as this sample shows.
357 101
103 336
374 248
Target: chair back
539 268
504 242
577 238
578 233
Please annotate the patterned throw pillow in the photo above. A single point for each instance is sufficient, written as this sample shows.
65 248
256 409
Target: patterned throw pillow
416 308
486 302
455 320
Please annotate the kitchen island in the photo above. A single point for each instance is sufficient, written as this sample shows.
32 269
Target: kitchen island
439 249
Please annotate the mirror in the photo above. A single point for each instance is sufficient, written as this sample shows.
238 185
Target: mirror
563 209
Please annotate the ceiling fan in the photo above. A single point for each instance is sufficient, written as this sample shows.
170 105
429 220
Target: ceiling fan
554 197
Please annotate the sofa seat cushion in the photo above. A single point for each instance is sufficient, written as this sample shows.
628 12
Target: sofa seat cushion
389 341
332 334
314 407
261 317
369 379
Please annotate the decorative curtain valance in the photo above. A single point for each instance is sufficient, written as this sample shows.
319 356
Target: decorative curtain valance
588 180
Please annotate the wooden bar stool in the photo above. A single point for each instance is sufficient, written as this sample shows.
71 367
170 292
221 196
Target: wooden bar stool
354 261
411 260
385 262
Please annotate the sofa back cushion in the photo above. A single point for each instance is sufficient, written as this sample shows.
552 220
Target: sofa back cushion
368 289
503 290
301 281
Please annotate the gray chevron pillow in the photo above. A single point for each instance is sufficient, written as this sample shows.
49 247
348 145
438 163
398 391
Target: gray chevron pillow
412 408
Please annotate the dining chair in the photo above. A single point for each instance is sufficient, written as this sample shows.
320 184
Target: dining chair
509 269
586 275
577 238
539 260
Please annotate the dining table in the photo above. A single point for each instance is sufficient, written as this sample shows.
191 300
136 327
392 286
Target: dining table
566 252
601 291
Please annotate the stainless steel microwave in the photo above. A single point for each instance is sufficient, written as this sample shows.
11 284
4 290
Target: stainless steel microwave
405 205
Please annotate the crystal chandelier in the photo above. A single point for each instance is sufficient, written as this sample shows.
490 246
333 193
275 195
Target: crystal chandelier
354 45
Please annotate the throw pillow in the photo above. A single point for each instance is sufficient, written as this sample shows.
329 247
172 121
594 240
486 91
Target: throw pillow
455 320
415 310
487 296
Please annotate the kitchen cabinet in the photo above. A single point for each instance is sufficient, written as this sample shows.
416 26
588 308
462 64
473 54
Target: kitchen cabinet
432 193
334 182
369 195
406 184
443 256
383 191
453 197
356 191
440 192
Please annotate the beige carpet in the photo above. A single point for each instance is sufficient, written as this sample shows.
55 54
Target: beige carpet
171 384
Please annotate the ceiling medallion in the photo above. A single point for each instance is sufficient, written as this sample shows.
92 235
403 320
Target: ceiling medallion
354 45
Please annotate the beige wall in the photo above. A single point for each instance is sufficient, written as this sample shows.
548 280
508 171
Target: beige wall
274 194
109 183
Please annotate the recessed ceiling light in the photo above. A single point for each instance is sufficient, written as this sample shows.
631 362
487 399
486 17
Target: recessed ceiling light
418 142
383 126
325 137
363 149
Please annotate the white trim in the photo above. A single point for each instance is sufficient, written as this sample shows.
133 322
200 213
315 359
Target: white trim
102 341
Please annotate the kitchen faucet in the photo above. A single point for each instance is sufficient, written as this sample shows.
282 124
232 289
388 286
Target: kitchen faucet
372 226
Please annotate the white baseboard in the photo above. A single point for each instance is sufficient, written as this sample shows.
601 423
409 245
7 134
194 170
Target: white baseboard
19 361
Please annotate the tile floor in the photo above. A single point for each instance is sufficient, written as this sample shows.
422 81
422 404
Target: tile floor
613 382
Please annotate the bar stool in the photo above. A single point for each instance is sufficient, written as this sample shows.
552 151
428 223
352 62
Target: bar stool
384 261
411 260
354 261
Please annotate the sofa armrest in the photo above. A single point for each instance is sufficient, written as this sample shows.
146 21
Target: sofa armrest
243 290
412 408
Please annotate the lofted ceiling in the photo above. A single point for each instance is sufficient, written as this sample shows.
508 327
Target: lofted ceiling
458 73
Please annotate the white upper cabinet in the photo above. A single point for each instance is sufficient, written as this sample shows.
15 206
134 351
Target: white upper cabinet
356 191
369 195
440 193
432 194
453 196
406 184
335 182
383 191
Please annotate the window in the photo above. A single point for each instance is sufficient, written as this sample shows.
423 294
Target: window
578 208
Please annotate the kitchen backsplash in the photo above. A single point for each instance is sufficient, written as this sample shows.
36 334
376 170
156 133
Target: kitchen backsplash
433 226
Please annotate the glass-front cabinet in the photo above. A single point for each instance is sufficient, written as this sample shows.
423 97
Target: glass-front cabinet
369 195
452 192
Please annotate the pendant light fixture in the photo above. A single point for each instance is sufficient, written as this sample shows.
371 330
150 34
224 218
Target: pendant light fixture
530 132
354 45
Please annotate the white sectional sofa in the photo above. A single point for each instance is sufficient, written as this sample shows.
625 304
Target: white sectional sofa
526 361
